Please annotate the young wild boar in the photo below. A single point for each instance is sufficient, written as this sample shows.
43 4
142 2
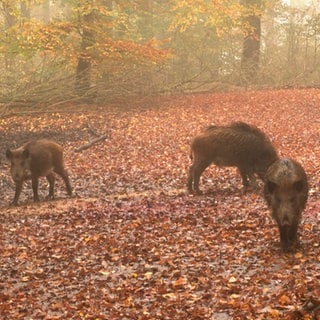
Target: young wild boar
36 159
236 145
286 193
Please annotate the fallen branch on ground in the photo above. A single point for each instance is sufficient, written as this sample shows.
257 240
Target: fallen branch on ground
91 143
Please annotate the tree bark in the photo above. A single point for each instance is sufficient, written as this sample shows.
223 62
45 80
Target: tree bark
83 71
25 10
9 21
251 45
46 11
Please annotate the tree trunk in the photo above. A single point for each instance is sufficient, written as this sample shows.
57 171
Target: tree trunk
46 11
9 21
25 10
251 45
83 72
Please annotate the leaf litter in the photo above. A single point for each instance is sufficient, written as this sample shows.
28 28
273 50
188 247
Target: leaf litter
132 244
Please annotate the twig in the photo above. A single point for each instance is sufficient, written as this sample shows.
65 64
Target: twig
93 131
91 143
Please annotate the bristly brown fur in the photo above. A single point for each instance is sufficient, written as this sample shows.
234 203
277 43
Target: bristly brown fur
37 158
286 193
237 144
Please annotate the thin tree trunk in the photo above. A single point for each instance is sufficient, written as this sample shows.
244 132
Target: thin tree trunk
46 11
9 21
83 72
251 45
25 10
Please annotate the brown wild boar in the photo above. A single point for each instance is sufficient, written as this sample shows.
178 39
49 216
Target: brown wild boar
236 145
37 158
286 193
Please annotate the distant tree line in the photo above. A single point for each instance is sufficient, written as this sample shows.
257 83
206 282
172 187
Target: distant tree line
97 51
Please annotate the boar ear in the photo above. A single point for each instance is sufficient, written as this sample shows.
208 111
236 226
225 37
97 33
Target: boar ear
271 186
298 185
8 154
25 154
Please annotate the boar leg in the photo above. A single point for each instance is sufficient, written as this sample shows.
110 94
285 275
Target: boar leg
51 179
35 184
63 174
284 241
17 192
288 238
253 180
245 175
293 234
190 179
245 182
198 168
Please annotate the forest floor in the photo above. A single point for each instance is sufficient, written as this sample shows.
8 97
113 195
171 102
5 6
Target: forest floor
132 243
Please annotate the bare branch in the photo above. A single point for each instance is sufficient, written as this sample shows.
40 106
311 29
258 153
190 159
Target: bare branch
91 143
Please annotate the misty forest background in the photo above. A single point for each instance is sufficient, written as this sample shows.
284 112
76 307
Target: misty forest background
123 86
53 52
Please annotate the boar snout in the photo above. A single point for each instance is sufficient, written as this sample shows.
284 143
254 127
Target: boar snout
20 167
286 193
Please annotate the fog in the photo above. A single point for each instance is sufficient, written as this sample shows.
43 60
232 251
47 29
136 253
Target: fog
64 51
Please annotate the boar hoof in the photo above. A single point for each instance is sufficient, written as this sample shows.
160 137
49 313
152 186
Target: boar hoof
289 248
194 192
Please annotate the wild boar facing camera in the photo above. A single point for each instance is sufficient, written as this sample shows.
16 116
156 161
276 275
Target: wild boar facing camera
286 193
37 158
236 145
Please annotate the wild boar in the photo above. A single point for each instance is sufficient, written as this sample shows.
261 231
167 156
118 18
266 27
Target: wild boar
37 158
286 193
236 145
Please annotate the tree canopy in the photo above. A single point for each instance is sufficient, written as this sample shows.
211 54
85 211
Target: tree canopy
100 49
